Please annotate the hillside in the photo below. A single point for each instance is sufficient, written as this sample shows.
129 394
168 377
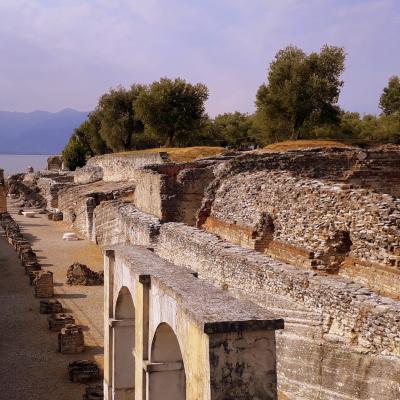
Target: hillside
37 132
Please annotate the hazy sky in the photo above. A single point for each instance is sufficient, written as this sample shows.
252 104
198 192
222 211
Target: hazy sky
66 53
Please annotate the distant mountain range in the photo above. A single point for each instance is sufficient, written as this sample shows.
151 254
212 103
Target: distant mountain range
37 132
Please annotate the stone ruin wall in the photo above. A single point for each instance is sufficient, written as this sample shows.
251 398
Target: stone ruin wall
332 325
173 192
312 223
3 194
78 203
116 168
117 222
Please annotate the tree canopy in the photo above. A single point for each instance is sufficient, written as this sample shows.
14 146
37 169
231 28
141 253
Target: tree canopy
118 118
172 109
233 129
301 90
390 98
74 154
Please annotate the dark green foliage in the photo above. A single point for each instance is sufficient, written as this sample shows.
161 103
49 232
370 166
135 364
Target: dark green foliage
302 91
118 120
234 130
89 135
390 99
172 110
74 153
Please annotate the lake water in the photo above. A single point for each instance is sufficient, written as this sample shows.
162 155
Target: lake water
13 163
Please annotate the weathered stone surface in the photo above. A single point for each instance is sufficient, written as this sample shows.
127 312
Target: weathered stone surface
93 393
80 274
43 283
71 340
58 321
83 371
50 306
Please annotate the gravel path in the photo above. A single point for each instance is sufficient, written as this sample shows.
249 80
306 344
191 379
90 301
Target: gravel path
30 367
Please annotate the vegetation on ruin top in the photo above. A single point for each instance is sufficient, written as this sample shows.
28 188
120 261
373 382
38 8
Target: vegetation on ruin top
182 154
303 144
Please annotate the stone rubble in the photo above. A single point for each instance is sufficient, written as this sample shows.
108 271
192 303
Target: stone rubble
80 274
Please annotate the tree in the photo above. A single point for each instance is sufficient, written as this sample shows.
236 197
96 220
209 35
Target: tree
233 129
172 109
302 91
117 117
89 135
390 99
74 153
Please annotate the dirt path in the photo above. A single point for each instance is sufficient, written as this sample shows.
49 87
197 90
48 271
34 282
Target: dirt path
30 367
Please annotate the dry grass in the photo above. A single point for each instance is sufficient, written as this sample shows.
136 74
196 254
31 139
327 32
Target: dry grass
303 144
182 154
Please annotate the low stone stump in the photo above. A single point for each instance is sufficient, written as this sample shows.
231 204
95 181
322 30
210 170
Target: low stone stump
83 371
93 393
71 340
19 243
43 283
58 321
50 306
80 274
32 270
28 256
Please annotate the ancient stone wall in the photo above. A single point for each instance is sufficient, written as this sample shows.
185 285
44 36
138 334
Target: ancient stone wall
117 167
310 223
327 318
173 192
117 222
78 202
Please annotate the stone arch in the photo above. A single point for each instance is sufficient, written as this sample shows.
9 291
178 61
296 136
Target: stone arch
167 380
124 346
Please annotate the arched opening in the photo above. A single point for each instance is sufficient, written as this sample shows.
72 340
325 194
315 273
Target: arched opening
123 347
167 378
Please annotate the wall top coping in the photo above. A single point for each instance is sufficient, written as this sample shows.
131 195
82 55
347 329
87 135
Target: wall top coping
209 306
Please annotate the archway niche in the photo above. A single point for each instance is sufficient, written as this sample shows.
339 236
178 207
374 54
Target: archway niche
167 378
123 347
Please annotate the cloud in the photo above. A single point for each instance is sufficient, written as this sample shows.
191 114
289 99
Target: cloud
68 52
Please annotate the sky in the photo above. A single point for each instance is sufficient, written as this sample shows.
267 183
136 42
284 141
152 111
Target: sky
56 54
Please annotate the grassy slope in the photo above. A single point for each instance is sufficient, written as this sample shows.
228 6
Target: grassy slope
303 144
182 154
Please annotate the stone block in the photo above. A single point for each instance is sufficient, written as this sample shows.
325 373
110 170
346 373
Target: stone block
58 321
83 371
71 340
43 283
50 306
